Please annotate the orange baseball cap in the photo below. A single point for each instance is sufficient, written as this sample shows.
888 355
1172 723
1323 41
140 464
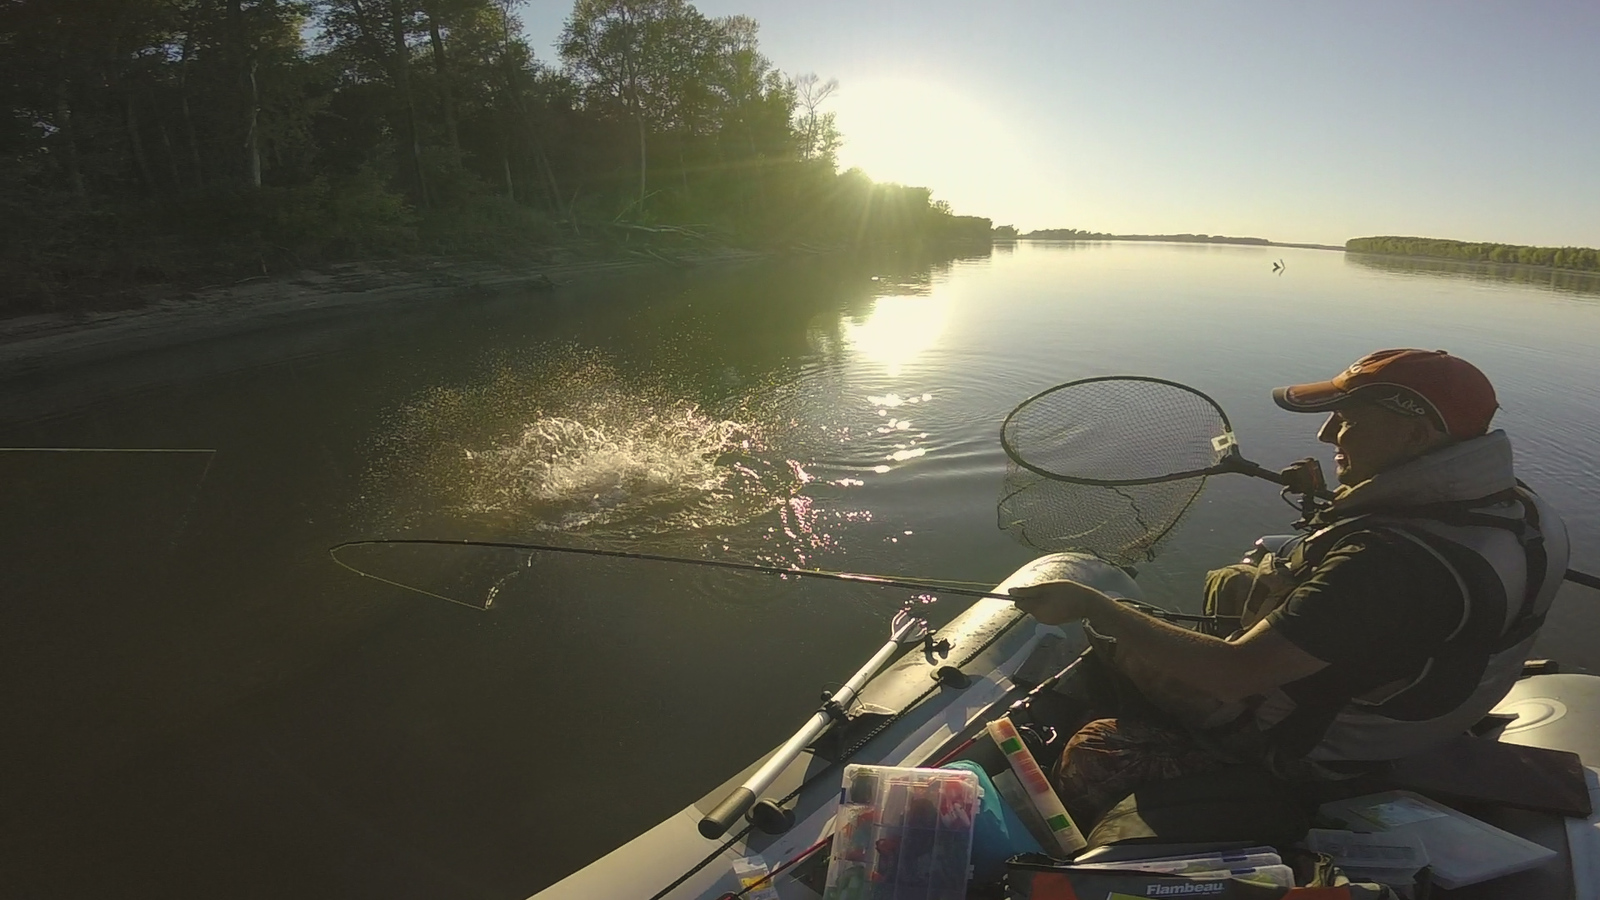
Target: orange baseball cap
1447 389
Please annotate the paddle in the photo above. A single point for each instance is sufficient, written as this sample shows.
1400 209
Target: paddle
905 629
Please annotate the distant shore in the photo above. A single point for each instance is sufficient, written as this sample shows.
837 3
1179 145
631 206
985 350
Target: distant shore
1068 234
50 340
1584 260
169 315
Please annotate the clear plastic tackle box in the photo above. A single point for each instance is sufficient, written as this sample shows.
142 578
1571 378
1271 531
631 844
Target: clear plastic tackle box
903 834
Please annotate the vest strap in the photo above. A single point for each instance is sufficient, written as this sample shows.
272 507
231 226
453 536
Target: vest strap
1464 513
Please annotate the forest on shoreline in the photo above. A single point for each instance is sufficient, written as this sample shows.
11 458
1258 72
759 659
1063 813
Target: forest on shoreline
1006 232
159 141
1074 234
1579 259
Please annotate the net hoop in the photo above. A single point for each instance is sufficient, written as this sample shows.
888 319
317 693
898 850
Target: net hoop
1225 444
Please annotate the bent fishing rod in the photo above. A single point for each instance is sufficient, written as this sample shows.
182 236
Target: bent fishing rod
853 577
1572 575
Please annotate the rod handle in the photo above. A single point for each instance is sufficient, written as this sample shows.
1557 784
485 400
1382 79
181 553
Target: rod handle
719 820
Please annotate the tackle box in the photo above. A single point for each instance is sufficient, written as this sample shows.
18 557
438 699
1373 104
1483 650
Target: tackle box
1461 850
903 834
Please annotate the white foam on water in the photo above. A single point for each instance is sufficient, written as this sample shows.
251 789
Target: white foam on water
565 443
567 473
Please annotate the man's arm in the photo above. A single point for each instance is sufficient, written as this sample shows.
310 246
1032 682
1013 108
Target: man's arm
1227 670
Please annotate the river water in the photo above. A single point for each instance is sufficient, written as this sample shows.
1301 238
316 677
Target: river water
200 701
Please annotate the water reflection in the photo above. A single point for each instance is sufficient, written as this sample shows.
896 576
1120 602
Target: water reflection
1560 280
222 685
898 330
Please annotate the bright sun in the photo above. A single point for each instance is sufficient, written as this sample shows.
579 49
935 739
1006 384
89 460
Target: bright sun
918 132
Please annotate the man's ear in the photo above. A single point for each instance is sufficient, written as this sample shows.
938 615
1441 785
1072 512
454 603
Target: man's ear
1422 435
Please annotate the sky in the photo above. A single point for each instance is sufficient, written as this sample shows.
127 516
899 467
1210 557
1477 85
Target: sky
1301 121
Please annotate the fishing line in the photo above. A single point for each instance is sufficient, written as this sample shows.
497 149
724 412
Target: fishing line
183 520
102 450
333 552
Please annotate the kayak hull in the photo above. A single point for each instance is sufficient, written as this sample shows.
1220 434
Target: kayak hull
906 718
991 639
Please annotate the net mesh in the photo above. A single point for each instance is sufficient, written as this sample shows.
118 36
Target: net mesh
1117 429
1108 430
1122 525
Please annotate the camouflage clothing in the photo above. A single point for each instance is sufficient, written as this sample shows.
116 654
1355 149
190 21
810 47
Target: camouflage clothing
1110 758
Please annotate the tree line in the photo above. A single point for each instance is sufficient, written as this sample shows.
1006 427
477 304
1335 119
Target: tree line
1585 259
1074 234
153 140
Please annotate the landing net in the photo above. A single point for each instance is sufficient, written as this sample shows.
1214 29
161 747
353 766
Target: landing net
1109 466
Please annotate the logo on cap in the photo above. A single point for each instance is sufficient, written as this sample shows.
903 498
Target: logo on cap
1399 402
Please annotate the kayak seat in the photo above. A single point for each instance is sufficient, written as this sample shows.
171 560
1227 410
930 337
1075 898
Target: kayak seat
1237 804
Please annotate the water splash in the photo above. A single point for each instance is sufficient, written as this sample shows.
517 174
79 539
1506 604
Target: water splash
564 442
571 474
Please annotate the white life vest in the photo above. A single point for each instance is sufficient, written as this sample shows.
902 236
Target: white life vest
1508 554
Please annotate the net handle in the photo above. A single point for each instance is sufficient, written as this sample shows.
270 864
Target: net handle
1236 464
1233 462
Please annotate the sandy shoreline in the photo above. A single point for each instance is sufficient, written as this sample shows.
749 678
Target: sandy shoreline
34 343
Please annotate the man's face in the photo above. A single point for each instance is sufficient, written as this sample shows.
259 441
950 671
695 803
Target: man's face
1370 439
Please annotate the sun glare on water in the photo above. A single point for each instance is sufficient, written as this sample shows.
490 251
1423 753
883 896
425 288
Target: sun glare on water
898 330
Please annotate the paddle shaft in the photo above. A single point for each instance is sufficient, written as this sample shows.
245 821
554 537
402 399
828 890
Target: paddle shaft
1583 578
717 822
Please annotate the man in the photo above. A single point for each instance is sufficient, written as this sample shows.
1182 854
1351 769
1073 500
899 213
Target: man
1396 624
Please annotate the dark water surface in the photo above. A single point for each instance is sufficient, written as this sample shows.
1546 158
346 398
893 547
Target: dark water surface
198 702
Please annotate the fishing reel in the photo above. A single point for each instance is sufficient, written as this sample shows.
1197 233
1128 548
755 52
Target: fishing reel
1305 480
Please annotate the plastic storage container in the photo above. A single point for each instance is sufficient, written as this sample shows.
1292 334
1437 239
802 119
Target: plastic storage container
903 834
1062 833
1248 858
1462 850
1390 857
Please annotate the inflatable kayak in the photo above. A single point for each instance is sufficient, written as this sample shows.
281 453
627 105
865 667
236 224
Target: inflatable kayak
935 701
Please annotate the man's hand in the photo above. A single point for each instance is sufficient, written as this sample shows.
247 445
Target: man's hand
1055 602
1224 670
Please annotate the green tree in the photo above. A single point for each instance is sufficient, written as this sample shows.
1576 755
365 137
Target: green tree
647 60
817 131
1580 258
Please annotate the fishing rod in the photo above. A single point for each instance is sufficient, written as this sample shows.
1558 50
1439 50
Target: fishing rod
852 577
